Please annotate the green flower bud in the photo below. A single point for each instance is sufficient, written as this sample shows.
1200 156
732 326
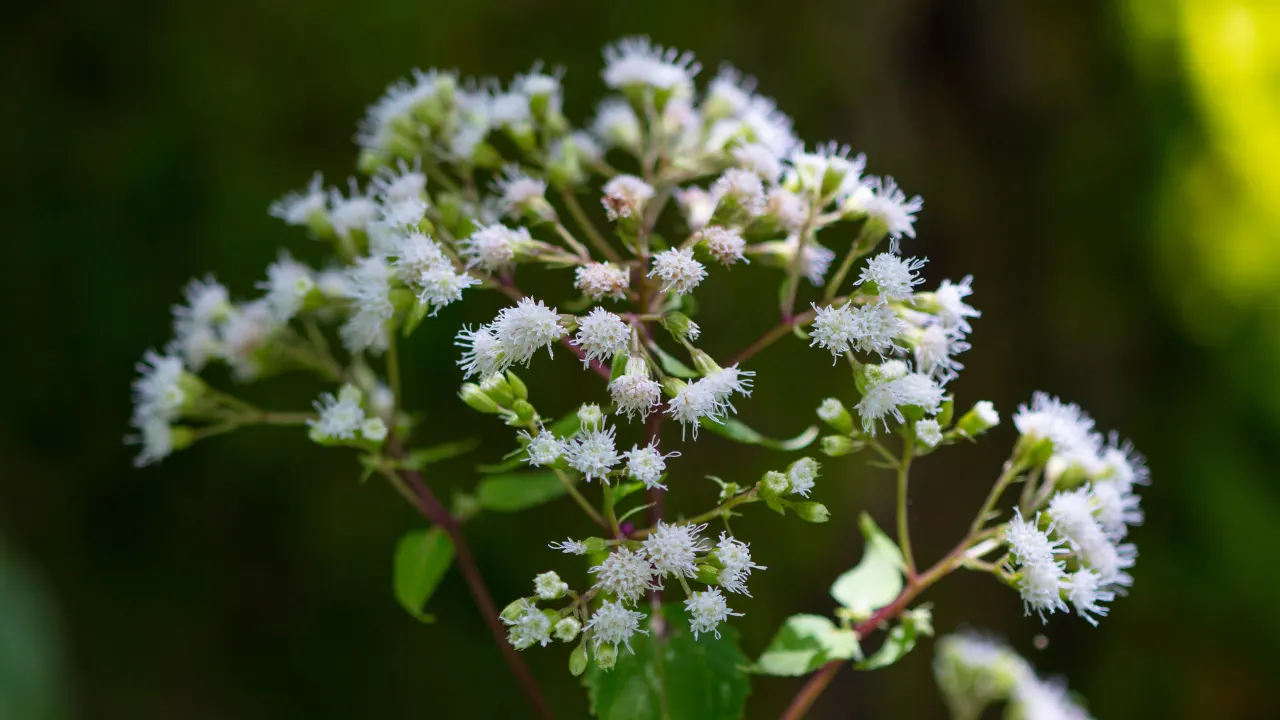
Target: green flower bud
978 420
374 430
606 656
524 411
518 388
514 610
704 363
813 512
497 388
566 629
839 445
680 326
590 416
476 399
834 413
774 484
578 660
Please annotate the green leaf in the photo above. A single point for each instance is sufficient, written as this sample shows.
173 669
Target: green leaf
618 366
672 676
901 639
505 466
671 365
412 319
877 579
565 426
422 557
804 644
418 459
738 431
518 491
33 678
625 489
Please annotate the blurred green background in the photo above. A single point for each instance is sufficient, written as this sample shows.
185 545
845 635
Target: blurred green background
1109 172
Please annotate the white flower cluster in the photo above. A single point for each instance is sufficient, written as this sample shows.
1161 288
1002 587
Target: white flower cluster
974 671
343 418
709 396
1076 554
513 337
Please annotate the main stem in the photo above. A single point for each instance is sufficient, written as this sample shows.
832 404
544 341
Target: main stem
904 532
430 507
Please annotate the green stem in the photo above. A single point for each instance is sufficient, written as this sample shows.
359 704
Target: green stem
721 510
608 510
393 367
836 280
593 235
578 497
1010 472
904 534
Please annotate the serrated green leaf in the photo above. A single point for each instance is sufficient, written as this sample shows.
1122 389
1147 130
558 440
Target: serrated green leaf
518 491
738 431
672 676
900 640
671 365
877 579
418 459
805 643
422 557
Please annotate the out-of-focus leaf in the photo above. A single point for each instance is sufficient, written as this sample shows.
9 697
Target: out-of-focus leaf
671 365
900 641
517 491
877 579
805 643
32 683
418 459
738 431
672 676
422 557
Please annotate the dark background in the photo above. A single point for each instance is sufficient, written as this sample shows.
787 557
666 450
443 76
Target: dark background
1107 171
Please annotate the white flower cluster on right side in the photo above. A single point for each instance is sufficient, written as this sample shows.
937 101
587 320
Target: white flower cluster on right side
974 671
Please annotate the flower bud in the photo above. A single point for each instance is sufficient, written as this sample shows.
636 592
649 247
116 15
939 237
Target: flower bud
524 411
549 586
578 660
834 413
978 420
476 399
839 445
704 363
566 629
498 389
518 388
374 430
606 656
775 483
514 610
813 512
680 326
590 416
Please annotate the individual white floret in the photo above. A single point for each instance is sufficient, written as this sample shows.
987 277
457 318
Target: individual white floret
194 335
1125 466
929 432
707 609
692 402
725 382
616 125
728 93
566 629
935 351
647 464
674 549
831 410
374 429
626 574
1068 427
879 403
549 586
740 188
524 329
633 391
790 211
871 329
826 170
158 391
952 309
156 438
380 129
493 247
625 196
288 283
543 449
802 475
590 417
340 417
413 254
1115 508
511 111
570 547
734 557
677 270
1041 584
303 207
519 191
369 291
1028 543
482 354
593 453
441 286
350 214
247 330
815 260
635 62
894 276
760 160
884 202
919 390
600 280
405 184
531 627
613 624
601 335
724 244
1086 594
697 205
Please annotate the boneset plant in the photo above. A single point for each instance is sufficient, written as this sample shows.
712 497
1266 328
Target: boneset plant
469 184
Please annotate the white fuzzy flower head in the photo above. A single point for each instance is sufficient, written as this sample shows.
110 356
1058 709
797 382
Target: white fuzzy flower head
156 438
677 269
1036 699
789 211
590 417
406 184
1028 543
544 449
633 391
441 286
525 328
697 206
1086 594
601 334
868 329
288 283
600 280
935 350
1115 508
894 276
725 382
352 214
637 62
531 627
519 192
614 624
570 547
415 254
734 557
929 432
593 453
885 203
158 392
692 402
831 410
482 351
815 260
724 244
492 248
369 291
760 160
549 586
616 125
802 475
952 309
625 196
827 170
707 609
626 574
1068 427
194 335
647 464
673 549
919 390
1125 467
1041 584
741 189
247 330
340 417
986 412
878 404
304 207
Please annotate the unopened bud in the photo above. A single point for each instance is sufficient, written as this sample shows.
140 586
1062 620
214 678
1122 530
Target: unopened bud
476 399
